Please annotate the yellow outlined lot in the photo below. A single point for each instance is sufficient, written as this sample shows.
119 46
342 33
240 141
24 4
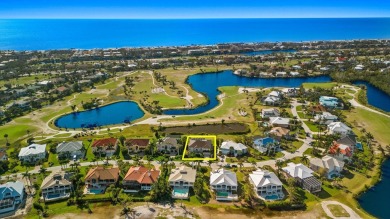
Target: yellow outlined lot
213 139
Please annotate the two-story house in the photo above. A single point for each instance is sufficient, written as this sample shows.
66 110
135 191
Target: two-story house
233 148
56 186
72 149
332 166
105 147
136 145
200 146
181 180
99 178
32 153
140 178
169 145
304 177
224 184
267 185
11 196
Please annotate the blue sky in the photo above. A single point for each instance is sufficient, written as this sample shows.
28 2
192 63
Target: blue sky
193 8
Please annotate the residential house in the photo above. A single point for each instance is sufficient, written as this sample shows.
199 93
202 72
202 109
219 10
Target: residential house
265 144
340 128
279 122
3 156
330 102
294 73
11 196
72 149
136 145
325 118
169 145
317 109
140 178
304 177
280 74
181 180
278 133
57 186
32 153
200 145
267 185
351 141
290 92
224 184
272 98
341 151
266 113
106 146
233 148
331 166
99 178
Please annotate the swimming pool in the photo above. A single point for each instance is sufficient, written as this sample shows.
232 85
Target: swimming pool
271 197
223 194
96 191
51 196
180 193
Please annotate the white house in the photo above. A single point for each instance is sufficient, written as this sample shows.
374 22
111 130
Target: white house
267 185
224 184
11 196
325 118
331 165
272 98
33 153
233 148
266 113
181 179
280 74
279 122
304 176
294 73
339 128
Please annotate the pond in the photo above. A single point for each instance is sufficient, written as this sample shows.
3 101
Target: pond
115 113
207 84
376 97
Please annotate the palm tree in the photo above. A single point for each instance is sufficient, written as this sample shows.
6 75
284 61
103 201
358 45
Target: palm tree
304 159
369 137
27 176
279 165
42 170
6 138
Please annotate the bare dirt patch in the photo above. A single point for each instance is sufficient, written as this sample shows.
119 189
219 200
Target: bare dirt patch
228 128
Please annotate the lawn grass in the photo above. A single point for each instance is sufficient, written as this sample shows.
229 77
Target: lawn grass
338 211
312 126
327 85
308 151
15 132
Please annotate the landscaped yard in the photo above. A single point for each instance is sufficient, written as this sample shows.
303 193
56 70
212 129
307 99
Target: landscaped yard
338 211
312 126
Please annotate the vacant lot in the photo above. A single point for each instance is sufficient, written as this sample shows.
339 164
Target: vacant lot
228 128
338 211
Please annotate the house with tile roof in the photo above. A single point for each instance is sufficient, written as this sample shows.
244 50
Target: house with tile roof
12 194
332 166
233 148
70 149
105 146
267 185
224 184
200 146
136 144
32 153
99 178
140 178
303 175
341 151
57 186
169 145
279 132
181 180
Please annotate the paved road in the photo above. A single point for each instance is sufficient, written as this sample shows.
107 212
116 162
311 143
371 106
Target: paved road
352 213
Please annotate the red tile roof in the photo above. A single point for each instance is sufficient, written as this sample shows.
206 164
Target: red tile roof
137 142
104 142
142 175
344 149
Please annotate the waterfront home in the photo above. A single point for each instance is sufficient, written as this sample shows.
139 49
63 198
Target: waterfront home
72 149
200 145
340 128
265 144
279 122
266 113
140 178
99 178
272 98
136 145
267 185
224 184
57 186
12 194
169 145
32 153
106 146
181 180
278 133
280 74
330 102
290 92
3 156
294 73
341 151
351 141
325 118
233 148
332 166
304 177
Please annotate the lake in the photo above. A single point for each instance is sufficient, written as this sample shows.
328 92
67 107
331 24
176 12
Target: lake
376 97
376 200
115 113
207 84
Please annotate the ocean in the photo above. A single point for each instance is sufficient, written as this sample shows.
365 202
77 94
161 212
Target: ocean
46 34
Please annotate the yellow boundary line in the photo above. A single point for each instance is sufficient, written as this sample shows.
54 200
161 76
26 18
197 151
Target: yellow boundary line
214 142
